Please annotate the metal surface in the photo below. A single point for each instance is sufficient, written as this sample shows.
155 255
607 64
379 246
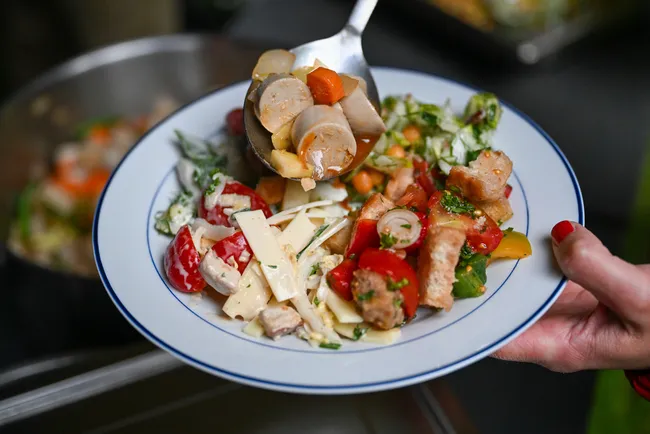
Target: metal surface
53 311
343 53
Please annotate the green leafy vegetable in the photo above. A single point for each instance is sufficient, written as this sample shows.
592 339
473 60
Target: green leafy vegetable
471 277
330 346
180 211
25 211
359 332
387 240
204 159
483 109
406 226
455 204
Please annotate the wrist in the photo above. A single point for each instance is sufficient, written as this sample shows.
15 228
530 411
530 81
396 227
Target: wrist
640 381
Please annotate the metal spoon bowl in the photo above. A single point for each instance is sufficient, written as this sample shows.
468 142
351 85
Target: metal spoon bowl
342 53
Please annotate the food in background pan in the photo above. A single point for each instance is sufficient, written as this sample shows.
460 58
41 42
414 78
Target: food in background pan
52 226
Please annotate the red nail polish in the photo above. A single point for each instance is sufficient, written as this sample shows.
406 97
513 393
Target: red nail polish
562 230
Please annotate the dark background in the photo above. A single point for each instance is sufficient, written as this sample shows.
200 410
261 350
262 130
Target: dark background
593 99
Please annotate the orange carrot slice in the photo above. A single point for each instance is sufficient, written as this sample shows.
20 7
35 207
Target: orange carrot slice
326 86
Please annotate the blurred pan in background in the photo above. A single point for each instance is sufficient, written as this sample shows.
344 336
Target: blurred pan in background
58 305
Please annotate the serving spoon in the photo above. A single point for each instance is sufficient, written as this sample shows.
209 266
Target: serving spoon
342 53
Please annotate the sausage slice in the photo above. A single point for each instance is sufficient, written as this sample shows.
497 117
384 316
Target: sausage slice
279 99
323 138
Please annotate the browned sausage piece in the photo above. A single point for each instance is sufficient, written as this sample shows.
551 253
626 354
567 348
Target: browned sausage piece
379 306
323 138
279 99
437 264
339 241
485 179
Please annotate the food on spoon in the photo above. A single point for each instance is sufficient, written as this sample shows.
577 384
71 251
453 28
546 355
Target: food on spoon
325 85
323 117
416 225
323 139
280 98
362 115
289 165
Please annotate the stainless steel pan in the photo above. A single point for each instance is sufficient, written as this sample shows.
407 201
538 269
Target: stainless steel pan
57 311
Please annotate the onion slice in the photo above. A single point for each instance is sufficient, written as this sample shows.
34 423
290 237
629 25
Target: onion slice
273 62
402 226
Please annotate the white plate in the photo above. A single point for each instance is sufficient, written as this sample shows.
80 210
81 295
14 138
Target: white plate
129 255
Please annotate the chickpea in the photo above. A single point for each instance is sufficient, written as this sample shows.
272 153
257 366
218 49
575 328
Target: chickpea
396 151
362 182
412 133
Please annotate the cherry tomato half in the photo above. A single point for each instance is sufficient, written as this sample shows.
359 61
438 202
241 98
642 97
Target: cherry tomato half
181 263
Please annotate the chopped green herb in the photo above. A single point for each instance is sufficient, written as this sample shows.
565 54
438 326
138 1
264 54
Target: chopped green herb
466 252
406 226
330 346
396 286
430 119
455 204
440 185
359 332
272 266
318 233
397 302
314 269
316 301
353 256
248 286
223 274
507 232
366 296
387 240
454 189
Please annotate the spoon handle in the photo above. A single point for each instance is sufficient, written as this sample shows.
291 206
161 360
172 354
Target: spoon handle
360 15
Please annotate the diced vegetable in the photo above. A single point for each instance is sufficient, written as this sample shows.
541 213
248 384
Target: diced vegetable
412 133
401 225
326 86
340 278
396 151
217 214
514 245
414 198
271 189
273 62
483 109
471 277
281 139
289 165
508 191
364 236
179 213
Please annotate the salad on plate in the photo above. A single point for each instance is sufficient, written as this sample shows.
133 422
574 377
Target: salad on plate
353 258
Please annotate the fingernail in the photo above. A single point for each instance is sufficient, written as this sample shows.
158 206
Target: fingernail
562 230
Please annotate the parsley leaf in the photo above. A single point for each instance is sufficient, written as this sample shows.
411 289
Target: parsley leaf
359 332
314 269
406 226
330 346
398 302
316 301
455 204
387 240
395 286
507 232
366 296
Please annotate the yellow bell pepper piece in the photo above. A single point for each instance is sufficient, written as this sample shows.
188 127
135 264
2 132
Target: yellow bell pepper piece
514 245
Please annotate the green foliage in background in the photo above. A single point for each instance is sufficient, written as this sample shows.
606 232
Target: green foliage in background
617 409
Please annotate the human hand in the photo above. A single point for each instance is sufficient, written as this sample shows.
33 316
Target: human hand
602 318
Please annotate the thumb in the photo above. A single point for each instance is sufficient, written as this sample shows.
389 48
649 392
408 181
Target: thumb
619 285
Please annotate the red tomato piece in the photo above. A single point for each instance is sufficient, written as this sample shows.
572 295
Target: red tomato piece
235 122
392 266
233 246
216 215
340 278
483 233
181 263
363 237
508 191
414 197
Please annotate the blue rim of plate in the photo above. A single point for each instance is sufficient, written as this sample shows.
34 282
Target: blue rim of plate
361 387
